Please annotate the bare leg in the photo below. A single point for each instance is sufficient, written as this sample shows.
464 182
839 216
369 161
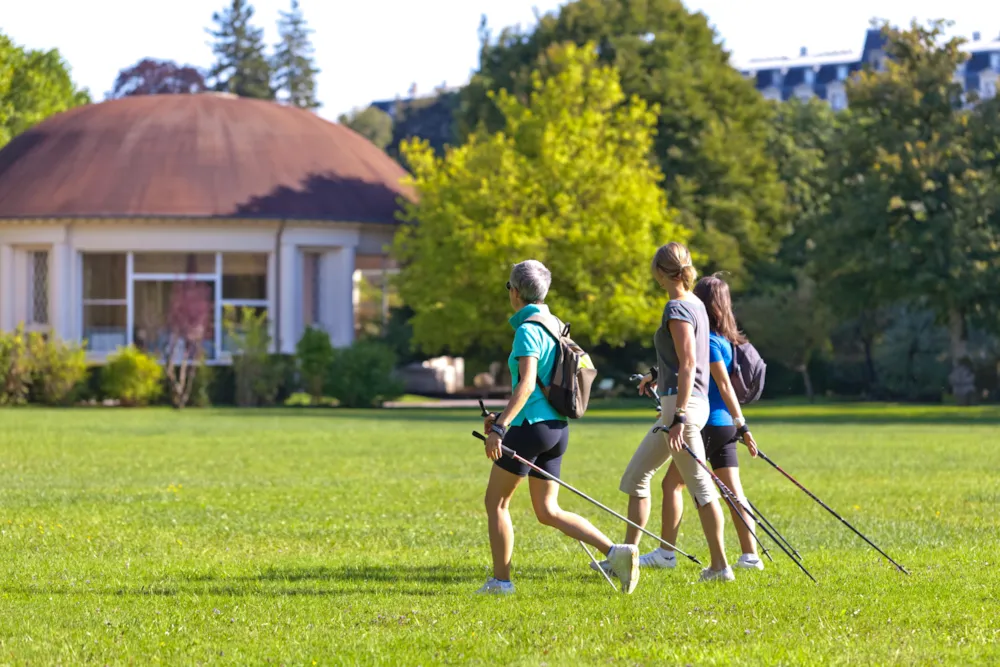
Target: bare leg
673 504
712 523
545 500
638 512
498 494
731 478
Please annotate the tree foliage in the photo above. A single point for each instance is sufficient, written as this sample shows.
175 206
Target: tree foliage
712 126
294 65
566 181
241 67
33 86
157 77
915 190
372 123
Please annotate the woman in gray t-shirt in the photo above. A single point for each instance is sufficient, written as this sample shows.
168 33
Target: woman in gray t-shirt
682 375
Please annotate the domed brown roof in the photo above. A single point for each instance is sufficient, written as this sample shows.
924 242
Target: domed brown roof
197 156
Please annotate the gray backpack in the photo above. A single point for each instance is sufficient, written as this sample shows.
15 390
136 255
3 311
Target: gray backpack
573 373
747 374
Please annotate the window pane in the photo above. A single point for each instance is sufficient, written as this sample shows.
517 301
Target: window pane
228 344
39 287
244 276
104 276
152 309
104 327
173 262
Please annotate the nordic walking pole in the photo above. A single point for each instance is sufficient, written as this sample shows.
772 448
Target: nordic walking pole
507 451
774 530
733 499
598 567
830 510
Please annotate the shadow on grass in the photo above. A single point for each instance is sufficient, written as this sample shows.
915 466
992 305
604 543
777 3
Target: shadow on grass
319 581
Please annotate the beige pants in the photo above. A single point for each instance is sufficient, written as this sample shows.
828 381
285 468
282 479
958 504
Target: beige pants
655 451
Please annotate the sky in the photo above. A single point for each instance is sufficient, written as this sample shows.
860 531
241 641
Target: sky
377 49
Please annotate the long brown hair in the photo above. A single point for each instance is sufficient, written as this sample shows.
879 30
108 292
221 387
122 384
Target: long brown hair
674 260
714 293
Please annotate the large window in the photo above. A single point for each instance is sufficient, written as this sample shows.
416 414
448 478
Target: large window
105 301
127 297
244 285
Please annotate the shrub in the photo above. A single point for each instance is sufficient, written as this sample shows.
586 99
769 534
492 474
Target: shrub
258 376
58 369
361 376
15 367
132 377
314 354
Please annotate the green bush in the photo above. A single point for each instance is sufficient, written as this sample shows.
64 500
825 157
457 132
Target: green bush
16 367
361 376
314 354
132 377
59 368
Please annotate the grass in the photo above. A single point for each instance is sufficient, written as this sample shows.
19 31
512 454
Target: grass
334 537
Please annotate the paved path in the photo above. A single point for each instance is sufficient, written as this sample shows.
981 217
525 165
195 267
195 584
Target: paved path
449 403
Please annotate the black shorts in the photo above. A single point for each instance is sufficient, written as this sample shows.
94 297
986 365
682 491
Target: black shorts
720 446
543 443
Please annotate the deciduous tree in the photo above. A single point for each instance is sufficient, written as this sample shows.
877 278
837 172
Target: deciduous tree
712 125
157 77
33 86
371 123
916 192
567 181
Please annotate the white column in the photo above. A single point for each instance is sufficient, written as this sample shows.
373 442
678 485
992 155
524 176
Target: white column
336 295
61 291
7 293
290 297
272 295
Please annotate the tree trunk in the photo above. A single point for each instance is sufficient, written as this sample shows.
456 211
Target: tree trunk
807 381
962 378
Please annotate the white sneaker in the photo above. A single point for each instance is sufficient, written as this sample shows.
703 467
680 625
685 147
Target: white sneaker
496 587
708 574
624 562
659 559
749 562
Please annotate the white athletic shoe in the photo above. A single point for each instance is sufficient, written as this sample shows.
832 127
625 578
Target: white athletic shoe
659 559
749 562
708 574
624 562
496 587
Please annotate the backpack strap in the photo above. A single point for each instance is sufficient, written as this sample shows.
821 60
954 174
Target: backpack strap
554 326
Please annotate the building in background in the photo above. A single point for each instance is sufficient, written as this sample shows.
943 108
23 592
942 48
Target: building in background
824 75
105 207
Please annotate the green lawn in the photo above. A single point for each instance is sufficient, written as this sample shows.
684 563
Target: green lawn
327 537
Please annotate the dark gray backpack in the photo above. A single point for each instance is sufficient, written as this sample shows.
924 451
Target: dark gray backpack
747 374
573 373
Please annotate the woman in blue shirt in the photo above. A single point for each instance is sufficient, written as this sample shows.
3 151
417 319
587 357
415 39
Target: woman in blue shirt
720 432
536 432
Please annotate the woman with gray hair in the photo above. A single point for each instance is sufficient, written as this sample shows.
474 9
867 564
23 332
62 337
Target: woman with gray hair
537 433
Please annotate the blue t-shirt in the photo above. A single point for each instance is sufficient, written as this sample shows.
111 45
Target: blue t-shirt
532 340
719 349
